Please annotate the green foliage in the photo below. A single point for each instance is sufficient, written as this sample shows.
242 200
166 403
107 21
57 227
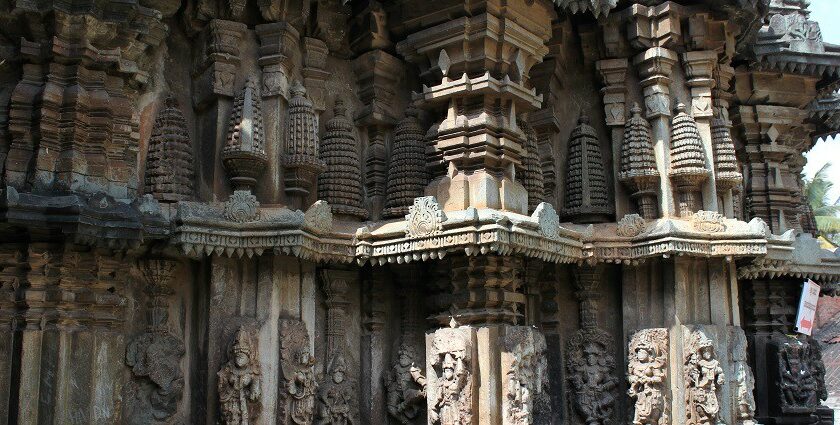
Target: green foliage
827 213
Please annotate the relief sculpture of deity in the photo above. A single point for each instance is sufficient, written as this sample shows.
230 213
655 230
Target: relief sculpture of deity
647 363
592 378
450 407
406 387
703 378
337 396
239 382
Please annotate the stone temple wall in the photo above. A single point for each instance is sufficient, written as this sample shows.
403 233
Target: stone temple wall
409 212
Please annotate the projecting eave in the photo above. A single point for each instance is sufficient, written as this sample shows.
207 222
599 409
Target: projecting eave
429 233
798 257
706 234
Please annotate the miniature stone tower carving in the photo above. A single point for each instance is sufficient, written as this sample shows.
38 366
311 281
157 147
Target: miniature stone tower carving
638 164
244 155
688 167
341 182
727 175
408 176
169 165
532 176
586 199
302 164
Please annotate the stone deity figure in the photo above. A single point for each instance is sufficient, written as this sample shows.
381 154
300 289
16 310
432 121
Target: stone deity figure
647 385
593 386
239 382
704 376
798 385
337 396
406 387
301 387
453 385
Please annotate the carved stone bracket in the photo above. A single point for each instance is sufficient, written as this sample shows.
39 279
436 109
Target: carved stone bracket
613 76
699 67
216 73
278 44
315 72
655 66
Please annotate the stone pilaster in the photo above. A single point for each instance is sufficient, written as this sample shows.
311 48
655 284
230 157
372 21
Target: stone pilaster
699 67
655 66
315 73
613 73
474 161
339 390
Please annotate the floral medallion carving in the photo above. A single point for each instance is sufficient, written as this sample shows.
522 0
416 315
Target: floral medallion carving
647 365
318 217
708 221
425 218
242 207
548 220
630 225
239 381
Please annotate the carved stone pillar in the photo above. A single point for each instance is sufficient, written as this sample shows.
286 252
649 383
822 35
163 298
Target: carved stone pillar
655 66
699 67
278 45
613 74
590 360
728 180
482 368
338 394
315 72
13 266
475 161
377 74
374 365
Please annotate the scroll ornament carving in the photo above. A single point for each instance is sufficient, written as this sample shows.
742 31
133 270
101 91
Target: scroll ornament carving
337 395
703 378
242 207
425 218
239 381
708 221
406 387
647 371
630 225
297 366
591 370
451 399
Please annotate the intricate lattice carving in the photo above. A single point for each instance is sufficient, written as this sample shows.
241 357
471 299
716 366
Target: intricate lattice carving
647 371
169 165
244 152
239 381
301 161
638 164
688 162
587 199
341 182
408 176
424 218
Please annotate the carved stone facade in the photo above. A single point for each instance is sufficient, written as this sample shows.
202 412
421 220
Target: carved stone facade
409 212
